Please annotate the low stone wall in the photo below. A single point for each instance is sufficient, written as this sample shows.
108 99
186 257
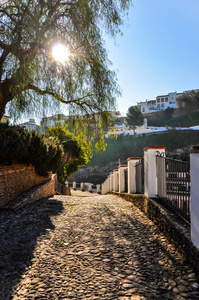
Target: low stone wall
40 191
16 179
166 222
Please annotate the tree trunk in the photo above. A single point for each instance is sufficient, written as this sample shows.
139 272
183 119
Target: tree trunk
2 105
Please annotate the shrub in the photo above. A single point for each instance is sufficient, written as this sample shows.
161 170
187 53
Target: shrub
75 148
19 145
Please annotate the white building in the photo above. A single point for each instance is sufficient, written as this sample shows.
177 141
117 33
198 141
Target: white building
54 120
30 125
162 102
120 128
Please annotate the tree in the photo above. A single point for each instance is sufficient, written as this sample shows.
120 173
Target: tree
134 117
31 78
190 102
76 151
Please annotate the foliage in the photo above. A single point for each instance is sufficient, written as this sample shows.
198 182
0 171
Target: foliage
31 78
77 151
134 117
190 101
125 147
17 144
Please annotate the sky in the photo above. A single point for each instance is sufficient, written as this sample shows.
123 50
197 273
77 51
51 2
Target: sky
158 52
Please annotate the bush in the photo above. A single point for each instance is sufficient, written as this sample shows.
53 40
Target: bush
19 145
75 148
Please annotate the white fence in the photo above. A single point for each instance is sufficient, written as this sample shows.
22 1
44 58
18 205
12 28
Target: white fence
149 177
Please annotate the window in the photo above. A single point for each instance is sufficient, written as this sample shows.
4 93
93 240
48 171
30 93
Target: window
166 99
162 99
158 100
143 109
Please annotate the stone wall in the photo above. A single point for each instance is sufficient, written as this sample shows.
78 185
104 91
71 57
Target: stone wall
166 223
16 179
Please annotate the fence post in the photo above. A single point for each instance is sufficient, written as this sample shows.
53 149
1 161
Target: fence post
108 184
82 186
114 180
161 175
103 188
121 178
90 187
150 170
111 181
74 185
194 165
98 188
132 174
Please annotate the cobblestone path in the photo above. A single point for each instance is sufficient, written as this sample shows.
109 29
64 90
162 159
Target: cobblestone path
96 247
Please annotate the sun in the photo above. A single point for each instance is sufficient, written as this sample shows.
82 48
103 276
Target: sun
60 52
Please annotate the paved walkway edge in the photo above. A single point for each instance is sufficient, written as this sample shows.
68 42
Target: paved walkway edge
166 223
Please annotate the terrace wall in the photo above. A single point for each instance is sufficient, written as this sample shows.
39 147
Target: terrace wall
18 178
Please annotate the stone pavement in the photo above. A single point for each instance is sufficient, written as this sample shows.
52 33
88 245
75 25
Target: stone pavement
89 246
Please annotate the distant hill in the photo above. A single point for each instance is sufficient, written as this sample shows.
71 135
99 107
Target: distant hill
129 146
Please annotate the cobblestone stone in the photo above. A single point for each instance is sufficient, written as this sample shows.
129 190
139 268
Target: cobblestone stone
89 246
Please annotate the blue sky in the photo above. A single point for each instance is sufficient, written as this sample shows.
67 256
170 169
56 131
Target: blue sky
158 52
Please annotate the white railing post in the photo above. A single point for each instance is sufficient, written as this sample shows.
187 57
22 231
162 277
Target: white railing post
132 174
194 210
117 181
98 188
111 181
108 184
90 187
150 170
103 189
114 180
82 186
121 178
74 185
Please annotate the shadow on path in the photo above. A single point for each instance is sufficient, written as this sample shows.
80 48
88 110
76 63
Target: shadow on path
19 233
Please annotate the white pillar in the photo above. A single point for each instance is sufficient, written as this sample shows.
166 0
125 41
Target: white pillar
74 185
117 181
111 181
194 210
90 187
82 186
132 174
103 189
108 184
121 178
150 175
98 188
114 179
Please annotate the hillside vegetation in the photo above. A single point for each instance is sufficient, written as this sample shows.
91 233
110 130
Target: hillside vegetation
174 118
130 146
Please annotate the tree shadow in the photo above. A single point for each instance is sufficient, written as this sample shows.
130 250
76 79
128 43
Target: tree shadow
19 233
133 250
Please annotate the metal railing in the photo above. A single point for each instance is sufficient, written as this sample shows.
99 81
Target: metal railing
173 184
126 180
140 176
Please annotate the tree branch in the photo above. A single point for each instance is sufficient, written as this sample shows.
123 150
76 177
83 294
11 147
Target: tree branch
57 97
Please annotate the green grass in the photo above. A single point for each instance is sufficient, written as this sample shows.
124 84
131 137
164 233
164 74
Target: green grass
125 147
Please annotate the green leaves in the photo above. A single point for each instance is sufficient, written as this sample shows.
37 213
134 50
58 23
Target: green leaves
190 102
19 145
30 28
134 117
76 151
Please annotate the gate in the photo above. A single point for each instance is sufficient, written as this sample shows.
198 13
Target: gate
173 184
